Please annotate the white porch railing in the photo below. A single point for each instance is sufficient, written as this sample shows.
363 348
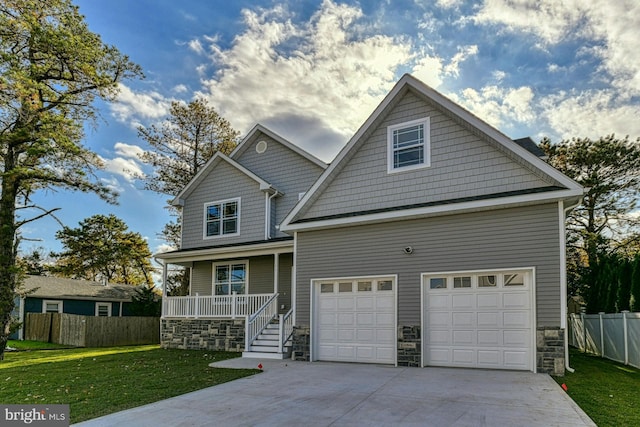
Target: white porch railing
258 321
212 306
286 329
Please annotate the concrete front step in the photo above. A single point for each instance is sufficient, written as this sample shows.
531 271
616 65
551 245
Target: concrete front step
261 355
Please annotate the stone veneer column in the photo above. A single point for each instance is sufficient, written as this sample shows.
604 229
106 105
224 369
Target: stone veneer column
301 348
550 350
409 346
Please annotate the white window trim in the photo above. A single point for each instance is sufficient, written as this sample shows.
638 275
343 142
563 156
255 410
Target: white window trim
51 301
426 122
246 275
204 219
105 304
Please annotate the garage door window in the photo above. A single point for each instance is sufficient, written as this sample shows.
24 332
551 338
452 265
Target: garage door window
364 286
514 279
345 287
326 288
462 282
438 282
385 285
488 281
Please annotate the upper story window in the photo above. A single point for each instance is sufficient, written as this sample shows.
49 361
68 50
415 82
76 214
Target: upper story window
222 218
408 145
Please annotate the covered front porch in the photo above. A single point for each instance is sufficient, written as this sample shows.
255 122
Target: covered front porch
239 299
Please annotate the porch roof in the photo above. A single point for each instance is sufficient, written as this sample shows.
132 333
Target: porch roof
246 249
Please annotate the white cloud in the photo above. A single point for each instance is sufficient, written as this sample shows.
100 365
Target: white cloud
128 150
126 168
448 4
453 68
131 106
591 114
335 76
180 89
196 46
498 106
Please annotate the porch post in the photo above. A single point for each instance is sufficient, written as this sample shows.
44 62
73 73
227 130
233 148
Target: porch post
276 272
234 301
164 289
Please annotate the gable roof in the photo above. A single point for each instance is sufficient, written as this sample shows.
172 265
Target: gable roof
258 128
564 187
209 166
63 288
264 185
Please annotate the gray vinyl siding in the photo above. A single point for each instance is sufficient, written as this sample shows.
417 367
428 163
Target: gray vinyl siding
261 275
462 165
284 284
283 168
222 183
201 278
507 238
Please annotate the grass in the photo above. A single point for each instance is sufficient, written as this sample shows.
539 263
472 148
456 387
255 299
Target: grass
34 345
96 382
607 391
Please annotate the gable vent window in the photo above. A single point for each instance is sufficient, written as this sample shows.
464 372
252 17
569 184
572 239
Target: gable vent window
408 145
222 218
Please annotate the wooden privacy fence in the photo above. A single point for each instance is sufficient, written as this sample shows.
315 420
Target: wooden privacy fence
615 336
91 331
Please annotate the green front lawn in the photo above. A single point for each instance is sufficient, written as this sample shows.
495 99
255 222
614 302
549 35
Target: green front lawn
607 391
96 382
34 345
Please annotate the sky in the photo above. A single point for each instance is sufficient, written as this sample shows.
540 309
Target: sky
313 71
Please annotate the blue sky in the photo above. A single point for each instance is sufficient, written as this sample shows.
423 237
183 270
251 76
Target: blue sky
313 71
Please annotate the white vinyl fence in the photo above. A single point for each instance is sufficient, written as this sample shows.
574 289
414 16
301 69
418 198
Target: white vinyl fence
614 336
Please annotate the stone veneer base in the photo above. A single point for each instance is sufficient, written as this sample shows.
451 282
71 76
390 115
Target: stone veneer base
202 334
550 350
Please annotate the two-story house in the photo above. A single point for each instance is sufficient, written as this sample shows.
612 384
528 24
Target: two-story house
431 240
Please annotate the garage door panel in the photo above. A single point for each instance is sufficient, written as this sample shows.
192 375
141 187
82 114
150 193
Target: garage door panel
489 358
385 336
516 300
489 301
365 335
439 356
346 352
345 319
365 303
343 335
516 338
464 337
463 356
516 319
345 303
436 301
439 337
516 359
328 302
489 320
439 319
384 303
489 338
462 301
463 319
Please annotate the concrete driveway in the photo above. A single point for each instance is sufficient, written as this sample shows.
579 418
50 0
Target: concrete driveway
341 394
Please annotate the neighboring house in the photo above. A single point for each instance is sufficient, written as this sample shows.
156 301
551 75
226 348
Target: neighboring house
431 240
46 294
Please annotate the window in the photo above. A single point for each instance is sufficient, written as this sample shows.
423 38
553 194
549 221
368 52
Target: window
408 145
487 281
462 282
364 286
345 287
52 306
385 285
103 309
326 288
230 278
438 283
222 218
514 279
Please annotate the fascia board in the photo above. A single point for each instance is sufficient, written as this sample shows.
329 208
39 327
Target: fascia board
227 252
445 209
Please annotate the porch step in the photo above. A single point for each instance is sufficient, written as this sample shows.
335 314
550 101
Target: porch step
266 345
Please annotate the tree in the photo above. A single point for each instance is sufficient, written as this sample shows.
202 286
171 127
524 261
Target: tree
146 302
609 168
103 248
52 68
34 262
181 146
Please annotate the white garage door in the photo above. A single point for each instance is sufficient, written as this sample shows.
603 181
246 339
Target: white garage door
481 320
355 320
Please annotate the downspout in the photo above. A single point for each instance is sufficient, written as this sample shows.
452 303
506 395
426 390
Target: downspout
563 279
267 219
